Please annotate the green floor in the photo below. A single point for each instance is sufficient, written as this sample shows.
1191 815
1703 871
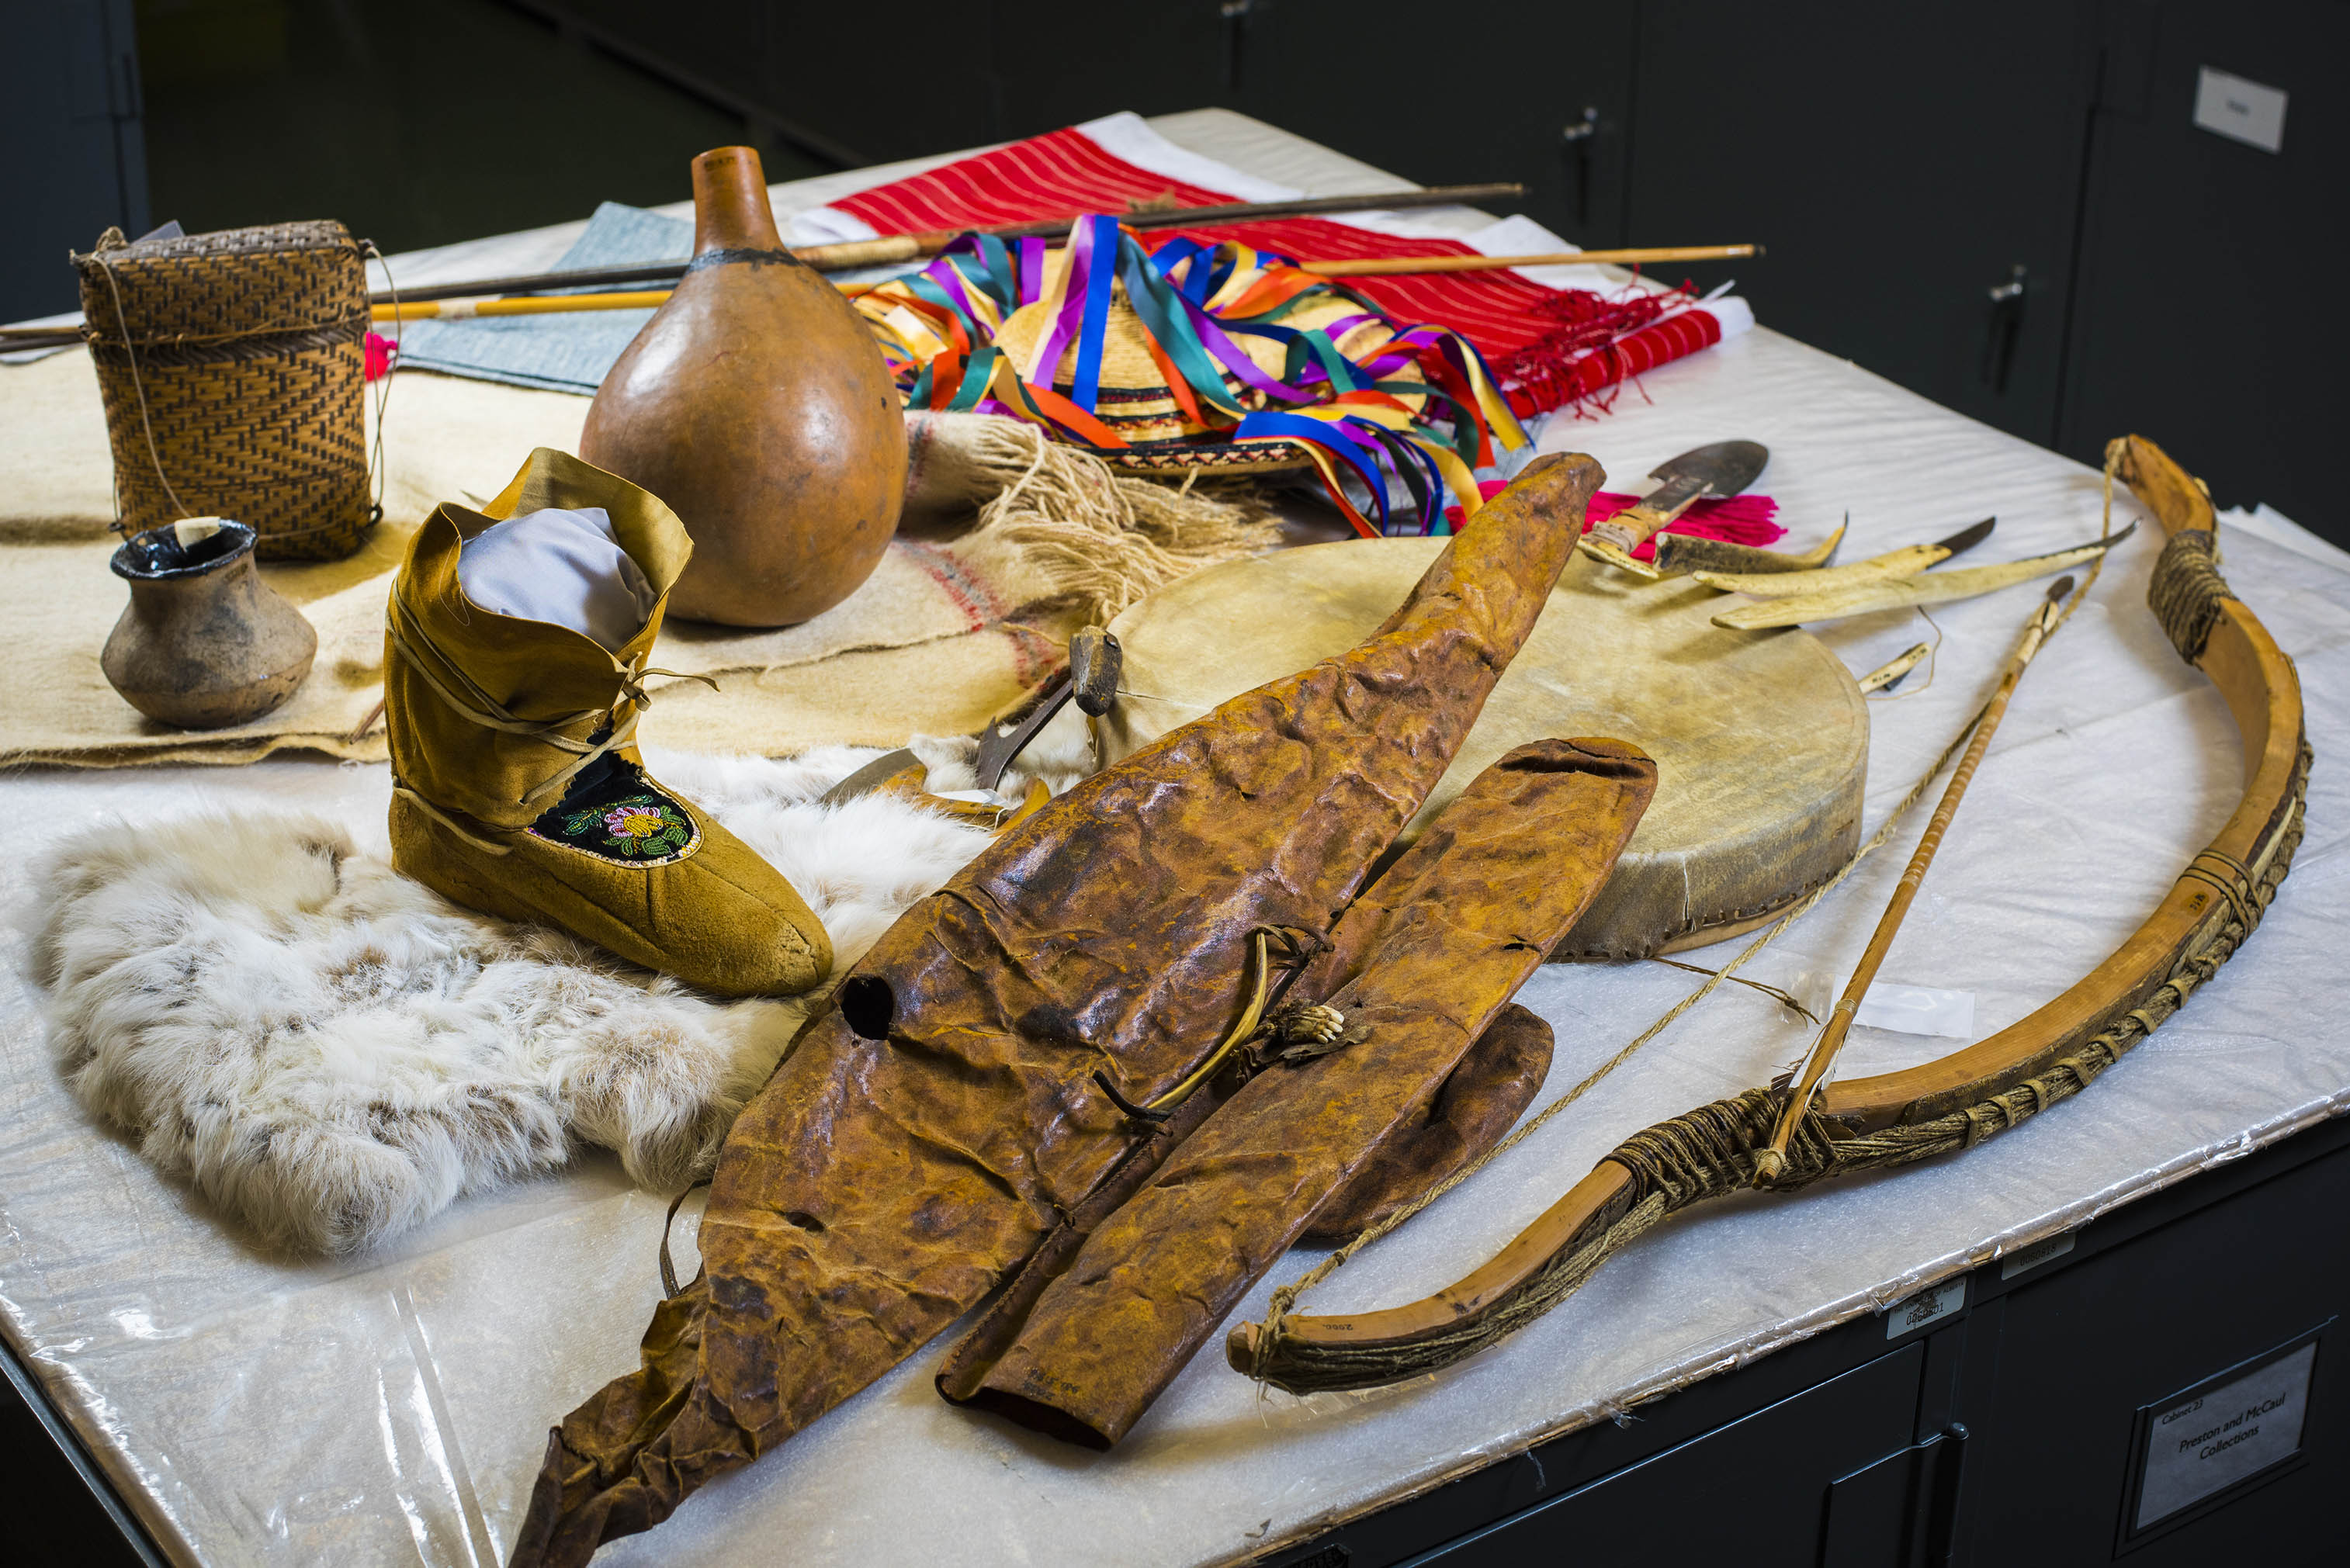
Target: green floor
415 122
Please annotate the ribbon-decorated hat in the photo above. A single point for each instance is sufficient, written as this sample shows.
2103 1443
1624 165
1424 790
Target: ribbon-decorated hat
1189 358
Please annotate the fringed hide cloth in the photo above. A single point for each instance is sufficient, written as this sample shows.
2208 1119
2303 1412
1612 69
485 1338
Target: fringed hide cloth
1022 1040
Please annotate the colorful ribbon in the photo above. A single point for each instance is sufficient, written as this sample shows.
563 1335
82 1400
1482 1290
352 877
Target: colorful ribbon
938 327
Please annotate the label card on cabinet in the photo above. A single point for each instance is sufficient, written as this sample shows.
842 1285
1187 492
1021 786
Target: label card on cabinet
1928 1306
2240 110
2220 1435
2024 1259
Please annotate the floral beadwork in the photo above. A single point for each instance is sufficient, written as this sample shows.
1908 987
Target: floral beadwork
643 827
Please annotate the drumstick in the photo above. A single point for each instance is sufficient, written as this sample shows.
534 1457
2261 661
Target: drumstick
1772 1159
444 309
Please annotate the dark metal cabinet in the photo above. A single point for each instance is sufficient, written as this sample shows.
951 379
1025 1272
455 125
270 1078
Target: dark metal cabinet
1914 170
1060 62
60 1506
2070 1358
2208 267
1715 1487
1539 94
76 160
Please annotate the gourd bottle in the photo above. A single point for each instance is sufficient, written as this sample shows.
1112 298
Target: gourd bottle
756 404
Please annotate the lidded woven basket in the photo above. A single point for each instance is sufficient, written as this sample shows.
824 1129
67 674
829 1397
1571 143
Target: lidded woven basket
233 365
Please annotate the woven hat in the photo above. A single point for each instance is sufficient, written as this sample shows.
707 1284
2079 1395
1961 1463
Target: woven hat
1136 400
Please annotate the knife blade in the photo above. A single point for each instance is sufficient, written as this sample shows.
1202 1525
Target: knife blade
1722 468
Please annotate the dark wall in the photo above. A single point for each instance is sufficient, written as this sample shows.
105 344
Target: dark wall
2202 314
75 160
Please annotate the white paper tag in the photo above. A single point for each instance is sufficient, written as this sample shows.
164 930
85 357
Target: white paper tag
2208 1443
2024 1259
2240 110
1917 1010
1927 1306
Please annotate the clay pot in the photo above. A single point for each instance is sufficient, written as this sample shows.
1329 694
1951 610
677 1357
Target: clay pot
756 404
204 642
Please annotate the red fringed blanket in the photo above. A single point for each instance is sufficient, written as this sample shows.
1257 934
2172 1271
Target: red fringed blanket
1551 347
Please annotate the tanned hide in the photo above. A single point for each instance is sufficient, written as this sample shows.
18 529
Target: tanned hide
928 1134
1420 967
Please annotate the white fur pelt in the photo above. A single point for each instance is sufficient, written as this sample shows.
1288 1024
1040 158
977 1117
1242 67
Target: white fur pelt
332 1054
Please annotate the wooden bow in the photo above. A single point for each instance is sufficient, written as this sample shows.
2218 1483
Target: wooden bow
1896 1118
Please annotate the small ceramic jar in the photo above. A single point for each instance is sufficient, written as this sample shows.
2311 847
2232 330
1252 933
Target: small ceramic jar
205 643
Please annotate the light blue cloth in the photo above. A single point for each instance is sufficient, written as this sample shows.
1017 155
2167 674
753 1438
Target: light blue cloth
558 353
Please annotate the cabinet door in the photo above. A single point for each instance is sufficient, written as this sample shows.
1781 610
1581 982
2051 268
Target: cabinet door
1899 162
1058 62
1541 95
2092 1360
2207 318
1754 1493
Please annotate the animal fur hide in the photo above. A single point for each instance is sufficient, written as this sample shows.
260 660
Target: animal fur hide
332 1054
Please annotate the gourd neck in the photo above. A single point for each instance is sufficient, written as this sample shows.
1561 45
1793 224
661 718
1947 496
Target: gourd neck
730 203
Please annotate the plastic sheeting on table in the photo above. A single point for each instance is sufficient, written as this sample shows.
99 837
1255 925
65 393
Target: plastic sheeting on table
394 1409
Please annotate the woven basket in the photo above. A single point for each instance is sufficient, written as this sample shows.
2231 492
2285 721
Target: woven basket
233 365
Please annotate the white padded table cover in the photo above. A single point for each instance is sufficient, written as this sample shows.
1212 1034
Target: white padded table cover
394 1408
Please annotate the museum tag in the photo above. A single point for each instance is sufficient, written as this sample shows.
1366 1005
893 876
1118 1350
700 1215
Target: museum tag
2208 1443
1930 1305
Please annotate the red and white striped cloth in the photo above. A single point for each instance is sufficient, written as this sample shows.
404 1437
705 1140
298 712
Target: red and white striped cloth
1106 165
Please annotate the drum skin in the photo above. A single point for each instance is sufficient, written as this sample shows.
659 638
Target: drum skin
1760 740
756 404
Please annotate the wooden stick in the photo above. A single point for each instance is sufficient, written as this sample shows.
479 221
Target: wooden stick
890 248
1773 1161
14 339
521 305
1297 207
438 305
1388 266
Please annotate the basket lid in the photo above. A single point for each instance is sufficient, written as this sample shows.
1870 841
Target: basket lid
272 278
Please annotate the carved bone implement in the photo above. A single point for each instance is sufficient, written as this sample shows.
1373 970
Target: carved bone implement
1905 562
1680 553
1900 593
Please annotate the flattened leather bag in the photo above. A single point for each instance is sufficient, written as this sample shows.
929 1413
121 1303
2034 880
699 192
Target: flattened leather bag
926 1136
